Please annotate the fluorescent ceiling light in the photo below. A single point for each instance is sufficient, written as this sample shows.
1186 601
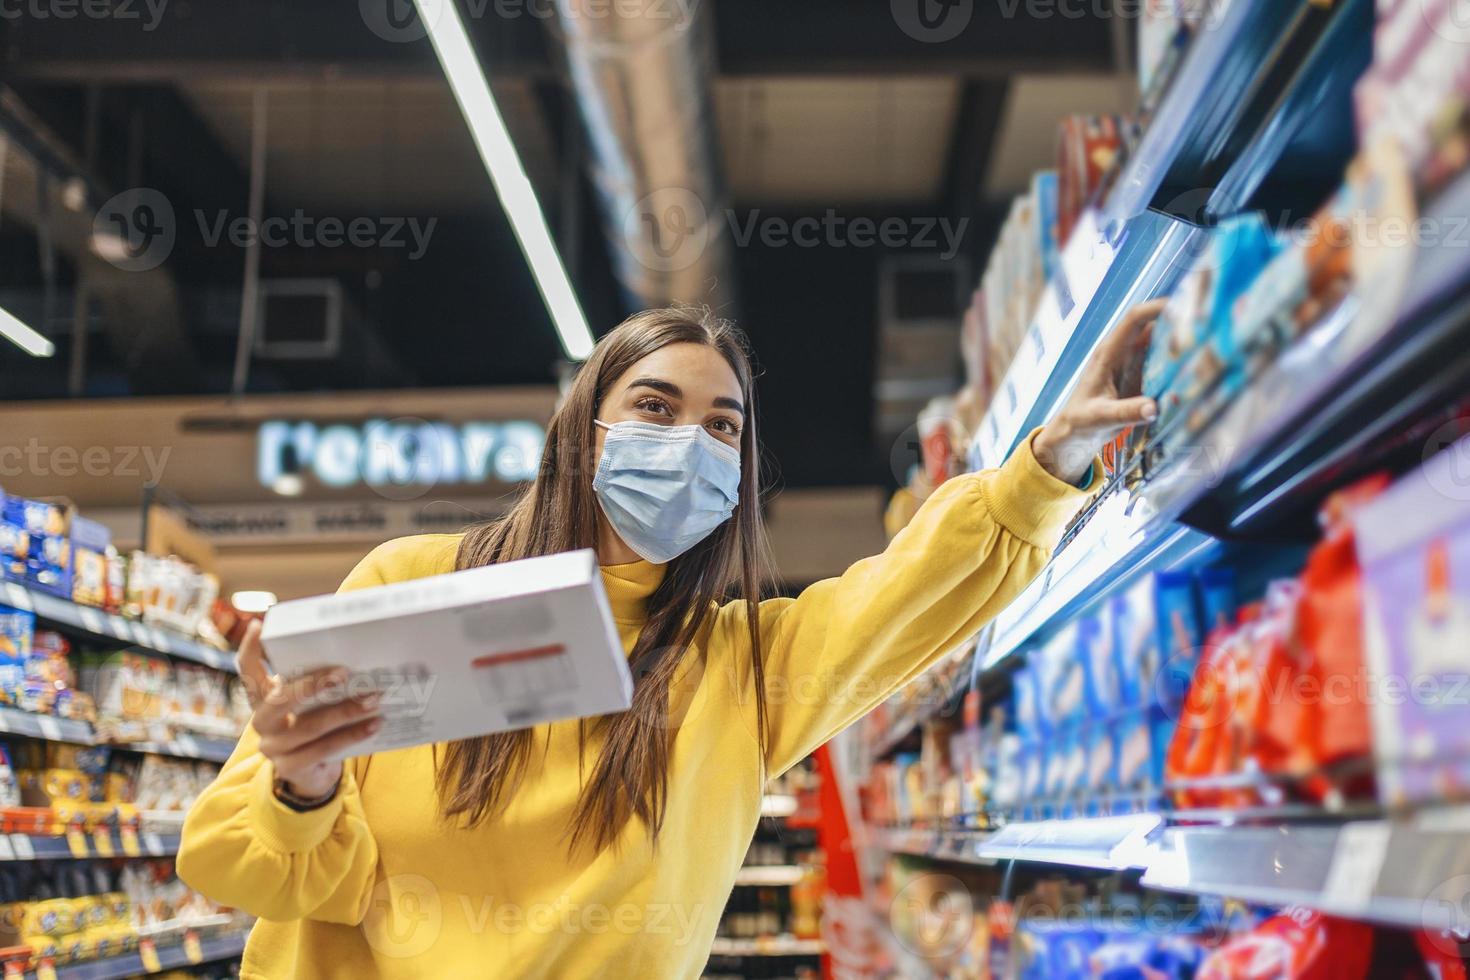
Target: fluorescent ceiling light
487 128
24 337
253 600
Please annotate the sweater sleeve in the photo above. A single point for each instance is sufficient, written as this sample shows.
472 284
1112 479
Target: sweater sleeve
243 848
847 643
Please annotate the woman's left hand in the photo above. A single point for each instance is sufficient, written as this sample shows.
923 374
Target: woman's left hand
1105 401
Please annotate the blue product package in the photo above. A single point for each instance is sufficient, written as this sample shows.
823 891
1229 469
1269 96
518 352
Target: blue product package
1102 762
1175 957
1179 637
1133 751
1025 698
1056 950
1135 643
1095 640
1058 765
1161 732
17 627
1201 307
1062 681
1032 757
1044 191
1217 599
1121 957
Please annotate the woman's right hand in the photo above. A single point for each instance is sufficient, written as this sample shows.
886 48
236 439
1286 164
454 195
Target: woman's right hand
296 739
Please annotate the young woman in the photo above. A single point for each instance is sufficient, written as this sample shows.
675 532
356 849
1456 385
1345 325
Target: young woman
608 848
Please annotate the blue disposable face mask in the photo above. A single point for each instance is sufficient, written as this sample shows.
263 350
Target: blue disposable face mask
665 488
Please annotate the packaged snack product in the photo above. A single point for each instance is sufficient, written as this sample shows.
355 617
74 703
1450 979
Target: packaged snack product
1298 944
1413 542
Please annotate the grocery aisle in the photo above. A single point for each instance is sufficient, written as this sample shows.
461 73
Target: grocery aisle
1215 738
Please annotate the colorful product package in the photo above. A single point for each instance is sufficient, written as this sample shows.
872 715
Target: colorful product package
1026 701
17 628
1298 944
1133 745
1179 636
1095 639
1033 762
1199 314
1055 950
90 544
1413 543
1102 760
1062 680
1136 643
1217 598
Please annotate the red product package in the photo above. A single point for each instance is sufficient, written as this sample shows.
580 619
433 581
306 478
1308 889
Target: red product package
1441 955
1329 637
1297 944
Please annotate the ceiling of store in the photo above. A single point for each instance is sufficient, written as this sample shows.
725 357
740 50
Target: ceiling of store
821 105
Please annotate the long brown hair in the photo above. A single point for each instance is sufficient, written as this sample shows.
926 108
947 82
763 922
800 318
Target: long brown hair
559 513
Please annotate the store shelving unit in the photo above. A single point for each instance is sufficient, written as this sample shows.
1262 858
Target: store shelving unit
27 724
110 629
1245 88
103 844
1328 410
172 957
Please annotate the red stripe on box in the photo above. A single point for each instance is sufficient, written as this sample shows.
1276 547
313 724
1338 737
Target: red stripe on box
512 656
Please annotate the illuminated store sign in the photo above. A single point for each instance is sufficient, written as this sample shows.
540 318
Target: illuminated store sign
396 453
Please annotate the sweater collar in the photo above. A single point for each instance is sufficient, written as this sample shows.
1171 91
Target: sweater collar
628 587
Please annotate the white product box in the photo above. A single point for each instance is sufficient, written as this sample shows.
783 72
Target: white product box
467 653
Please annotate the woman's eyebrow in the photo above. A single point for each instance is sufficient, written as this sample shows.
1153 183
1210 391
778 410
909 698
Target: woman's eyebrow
658 384
674 391
723 402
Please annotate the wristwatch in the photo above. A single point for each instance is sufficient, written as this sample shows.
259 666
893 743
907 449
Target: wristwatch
301 804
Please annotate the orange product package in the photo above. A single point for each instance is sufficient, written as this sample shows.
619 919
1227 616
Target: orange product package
1297 944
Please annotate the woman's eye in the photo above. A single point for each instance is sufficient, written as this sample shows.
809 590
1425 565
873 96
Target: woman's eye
655 405
727 426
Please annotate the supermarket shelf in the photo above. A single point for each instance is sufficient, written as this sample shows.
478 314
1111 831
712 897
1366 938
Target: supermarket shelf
112 629
27 724
1411 872
1117 546
1244 90
1098 278
184 746
169 958
41 847
774 875
1111 843
767 947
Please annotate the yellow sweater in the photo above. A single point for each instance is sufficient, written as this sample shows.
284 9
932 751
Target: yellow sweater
376 884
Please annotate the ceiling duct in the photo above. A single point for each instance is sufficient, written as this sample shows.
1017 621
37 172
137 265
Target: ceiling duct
641 72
